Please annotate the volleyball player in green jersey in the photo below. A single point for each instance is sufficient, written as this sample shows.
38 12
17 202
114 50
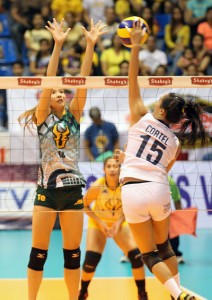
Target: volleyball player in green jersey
59 179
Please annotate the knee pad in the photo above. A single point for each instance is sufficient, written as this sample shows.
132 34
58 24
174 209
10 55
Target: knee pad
165 250
37 259
91 261
72 259
151 259
135 258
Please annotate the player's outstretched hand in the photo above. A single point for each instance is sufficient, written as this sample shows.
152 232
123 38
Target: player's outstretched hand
137 32
57 31
96 30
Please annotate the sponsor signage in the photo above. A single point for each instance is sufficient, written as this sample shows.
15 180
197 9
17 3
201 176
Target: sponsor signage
29 81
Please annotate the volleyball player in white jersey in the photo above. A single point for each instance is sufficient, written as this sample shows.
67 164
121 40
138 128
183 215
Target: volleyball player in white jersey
151 151
59 179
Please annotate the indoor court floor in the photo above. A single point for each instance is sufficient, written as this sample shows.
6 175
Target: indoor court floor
113 279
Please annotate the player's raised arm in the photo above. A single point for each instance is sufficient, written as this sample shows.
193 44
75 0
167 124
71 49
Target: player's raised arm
137 107
77 104
59 36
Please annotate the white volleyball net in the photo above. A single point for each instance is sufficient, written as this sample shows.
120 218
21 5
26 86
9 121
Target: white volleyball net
20 154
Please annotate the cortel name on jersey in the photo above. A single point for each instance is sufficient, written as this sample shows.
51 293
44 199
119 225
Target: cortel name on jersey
159 135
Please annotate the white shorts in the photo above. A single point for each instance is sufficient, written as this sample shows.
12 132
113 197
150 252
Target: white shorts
142 201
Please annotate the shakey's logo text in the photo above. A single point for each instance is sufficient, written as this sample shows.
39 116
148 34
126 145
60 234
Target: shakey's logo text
74 81
114 81
160 81
29 81
201 80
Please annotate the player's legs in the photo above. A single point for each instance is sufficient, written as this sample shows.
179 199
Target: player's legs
149 201
95 245
42 224
145 238
71 222
165 250
126 242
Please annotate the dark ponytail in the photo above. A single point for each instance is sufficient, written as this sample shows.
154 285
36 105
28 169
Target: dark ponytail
188 114
192 112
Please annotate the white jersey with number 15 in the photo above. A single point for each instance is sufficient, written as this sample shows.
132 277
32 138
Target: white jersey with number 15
151 147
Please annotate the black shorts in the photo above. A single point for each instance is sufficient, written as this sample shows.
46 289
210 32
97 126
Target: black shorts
60 198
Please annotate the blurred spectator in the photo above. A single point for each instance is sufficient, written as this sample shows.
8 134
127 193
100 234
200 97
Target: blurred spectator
201 54
61 7
177 36
192 70
18 69
205 28
161 71
183 4
127 8
123 67
72 59
22 13
34 35
39 61
167 7
81 47
74 45
197 11
112 57
151 57
162 6
95 9
187 58
177 33
147 15
101 138
70 20
105 40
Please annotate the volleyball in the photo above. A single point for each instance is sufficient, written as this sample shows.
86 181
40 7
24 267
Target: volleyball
124 33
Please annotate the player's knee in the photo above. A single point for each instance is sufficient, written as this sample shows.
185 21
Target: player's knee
71 258
91 261
151 258
165 250
135 258
37 259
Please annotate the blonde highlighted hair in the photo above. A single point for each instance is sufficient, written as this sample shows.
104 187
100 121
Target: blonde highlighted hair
29 117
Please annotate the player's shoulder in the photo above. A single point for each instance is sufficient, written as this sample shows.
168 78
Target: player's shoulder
100 181
97 186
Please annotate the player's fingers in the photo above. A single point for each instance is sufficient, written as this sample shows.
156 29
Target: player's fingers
98 24
50 25
92 23
61 23
127 28
144 31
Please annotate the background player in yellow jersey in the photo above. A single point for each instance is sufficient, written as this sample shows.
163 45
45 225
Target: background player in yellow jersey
106 220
